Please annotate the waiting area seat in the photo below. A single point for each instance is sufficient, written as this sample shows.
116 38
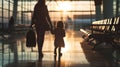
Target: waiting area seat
106 30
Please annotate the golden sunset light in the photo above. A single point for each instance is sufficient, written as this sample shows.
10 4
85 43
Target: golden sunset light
64 6
59 33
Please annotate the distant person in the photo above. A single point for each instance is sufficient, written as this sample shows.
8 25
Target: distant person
10 27
11 24
70 24
42 22
59 33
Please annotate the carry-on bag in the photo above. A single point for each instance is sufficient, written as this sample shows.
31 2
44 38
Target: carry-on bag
31 38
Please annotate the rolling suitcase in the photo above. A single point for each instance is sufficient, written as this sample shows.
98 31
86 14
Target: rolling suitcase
31 38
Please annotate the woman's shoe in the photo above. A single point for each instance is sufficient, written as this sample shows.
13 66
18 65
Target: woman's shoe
55 53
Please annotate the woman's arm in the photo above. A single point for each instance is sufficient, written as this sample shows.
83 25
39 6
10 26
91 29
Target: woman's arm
49 20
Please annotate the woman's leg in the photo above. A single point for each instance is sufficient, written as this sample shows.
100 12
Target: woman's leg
40 41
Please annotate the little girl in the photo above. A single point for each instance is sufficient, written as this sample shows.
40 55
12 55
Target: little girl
59 33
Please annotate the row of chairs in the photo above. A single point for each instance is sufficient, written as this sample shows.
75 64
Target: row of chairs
106 30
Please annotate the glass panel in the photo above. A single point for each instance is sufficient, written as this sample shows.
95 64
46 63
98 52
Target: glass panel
5 4
5 13
11 6
0 12
0 3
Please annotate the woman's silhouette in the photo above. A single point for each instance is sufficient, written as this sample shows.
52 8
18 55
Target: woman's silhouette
42 22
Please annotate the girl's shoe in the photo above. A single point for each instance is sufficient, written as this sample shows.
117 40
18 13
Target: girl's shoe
60 54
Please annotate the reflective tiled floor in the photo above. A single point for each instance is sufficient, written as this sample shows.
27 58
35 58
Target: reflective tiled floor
14 53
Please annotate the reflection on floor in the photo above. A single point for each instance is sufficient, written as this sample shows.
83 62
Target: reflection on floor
14 53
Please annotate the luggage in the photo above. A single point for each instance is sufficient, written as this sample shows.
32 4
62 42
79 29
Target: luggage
30 38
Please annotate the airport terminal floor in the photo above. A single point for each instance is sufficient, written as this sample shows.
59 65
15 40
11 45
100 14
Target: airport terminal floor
14 53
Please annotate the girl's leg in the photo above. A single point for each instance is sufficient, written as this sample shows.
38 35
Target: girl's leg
59 51
55 50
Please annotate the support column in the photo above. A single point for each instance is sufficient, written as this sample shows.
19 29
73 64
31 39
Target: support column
98 9
15 10
15 18
117 7
2 15
107 8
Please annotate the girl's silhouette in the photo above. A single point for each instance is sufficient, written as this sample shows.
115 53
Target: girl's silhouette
59 33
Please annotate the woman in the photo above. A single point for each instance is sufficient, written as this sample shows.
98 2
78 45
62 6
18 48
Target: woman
42 22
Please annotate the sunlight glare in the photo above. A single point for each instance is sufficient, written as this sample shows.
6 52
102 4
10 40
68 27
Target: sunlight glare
65 49
65 6
67 46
